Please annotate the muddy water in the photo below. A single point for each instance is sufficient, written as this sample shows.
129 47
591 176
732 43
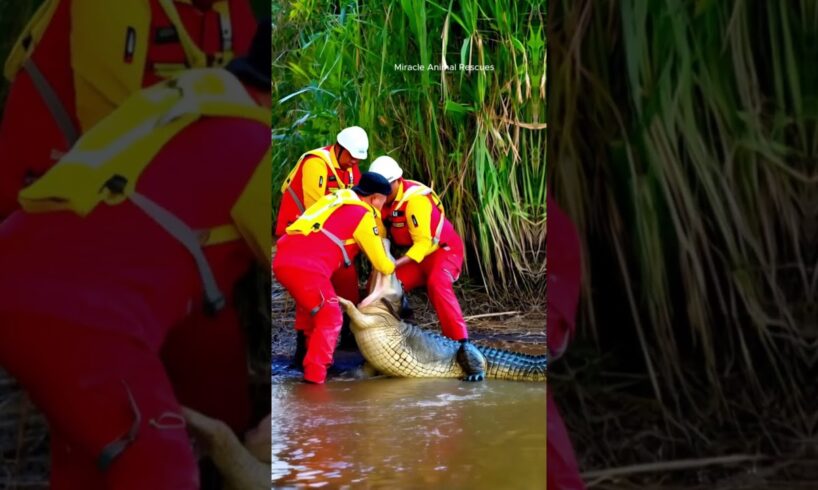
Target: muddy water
408 433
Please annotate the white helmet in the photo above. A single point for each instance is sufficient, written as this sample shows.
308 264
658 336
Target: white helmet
354 140
388 167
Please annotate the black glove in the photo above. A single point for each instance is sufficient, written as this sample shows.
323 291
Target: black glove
405 312
471 360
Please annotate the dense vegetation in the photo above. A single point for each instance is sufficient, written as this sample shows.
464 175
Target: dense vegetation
683 141
478 137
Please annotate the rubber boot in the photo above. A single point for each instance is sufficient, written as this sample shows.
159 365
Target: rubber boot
471 360
300 351
347 338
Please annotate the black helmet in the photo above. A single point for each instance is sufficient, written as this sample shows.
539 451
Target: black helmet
254 67
372 183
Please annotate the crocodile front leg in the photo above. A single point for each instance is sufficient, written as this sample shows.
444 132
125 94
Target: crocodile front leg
472 361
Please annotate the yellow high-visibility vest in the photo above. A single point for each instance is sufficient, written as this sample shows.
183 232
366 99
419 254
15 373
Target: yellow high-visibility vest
106 162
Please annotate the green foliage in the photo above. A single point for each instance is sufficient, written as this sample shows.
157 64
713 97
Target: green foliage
478 137
684 134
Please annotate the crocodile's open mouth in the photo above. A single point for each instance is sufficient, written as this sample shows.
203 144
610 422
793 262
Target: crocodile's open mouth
386 290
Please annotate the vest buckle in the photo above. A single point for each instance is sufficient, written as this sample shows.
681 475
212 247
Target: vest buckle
116 184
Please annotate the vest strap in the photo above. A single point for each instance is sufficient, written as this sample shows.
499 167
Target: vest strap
52 101
340 243
222 8
422 190
214 300
326 157
296 199
195 56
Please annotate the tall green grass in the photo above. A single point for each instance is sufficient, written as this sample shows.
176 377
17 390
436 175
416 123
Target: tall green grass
477 137
684 143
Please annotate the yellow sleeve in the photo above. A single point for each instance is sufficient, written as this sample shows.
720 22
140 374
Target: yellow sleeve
368 236
252 223
313 180
419 220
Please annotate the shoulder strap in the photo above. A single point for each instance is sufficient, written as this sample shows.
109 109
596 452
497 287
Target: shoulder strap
195 56
20 58
313 220
30 37
419 189
222 7
343 196
321 153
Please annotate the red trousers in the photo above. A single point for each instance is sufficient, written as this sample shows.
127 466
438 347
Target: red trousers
438 272
205 358
317 314
93 387
345 282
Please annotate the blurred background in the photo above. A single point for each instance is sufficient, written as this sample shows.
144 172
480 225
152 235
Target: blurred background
683 141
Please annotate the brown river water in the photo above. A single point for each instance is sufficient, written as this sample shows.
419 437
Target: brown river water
388 433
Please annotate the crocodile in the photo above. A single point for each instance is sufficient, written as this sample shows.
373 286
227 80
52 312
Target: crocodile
398 348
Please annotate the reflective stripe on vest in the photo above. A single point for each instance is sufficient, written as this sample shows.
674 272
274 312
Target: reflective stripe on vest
419 189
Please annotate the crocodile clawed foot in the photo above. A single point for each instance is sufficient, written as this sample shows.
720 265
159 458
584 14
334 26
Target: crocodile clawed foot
471 360
474 377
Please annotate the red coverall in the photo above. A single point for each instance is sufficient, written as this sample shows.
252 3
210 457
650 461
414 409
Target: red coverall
202 353
436 266
304 265
86 304
313 180
564 272
31 140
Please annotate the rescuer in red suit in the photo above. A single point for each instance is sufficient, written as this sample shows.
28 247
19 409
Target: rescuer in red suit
317 173
324 239
88 299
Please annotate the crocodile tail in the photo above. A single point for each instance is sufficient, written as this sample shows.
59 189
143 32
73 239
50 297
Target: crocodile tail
503 364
